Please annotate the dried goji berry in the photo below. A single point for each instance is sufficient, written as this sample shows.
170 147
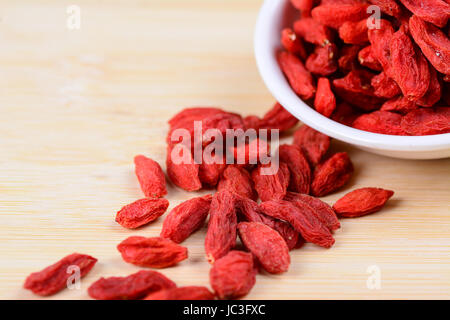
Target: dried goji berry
390 7
150 176
302 218
135 286
299 78
186 218
367 59
183 174
356 89
278 118
155 252
434 11
322 210
271 181
354 32
300 172
209 173
362 201
312 31
221 235
141 212
252 122
323 60
434 43
54 278
233 275
250 211
409 68
384 122
249 153
334 15
292 43
380 39
266 245
399 104
332 174
426 121
347 57
325 101
238 180
314 144
433 94
182 293
384 86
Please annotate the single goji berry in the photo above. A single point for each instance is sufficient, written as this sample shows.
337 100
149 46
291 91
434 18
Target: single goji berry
323 60
361 202
347 57
266 245
325 101
302 218
297 75
332 174
156 252
434 11
141 212
278 118
300 172
367 59
321 209
271 181
354 32
434 43
409 67
250 211
233 275
390 7
209 173
383 122
238 180
384 87
182 293
54 278
292 43
150 176
183 172
426 121
334 15
312 31
186 218
249 153
135 286
221 235
314 144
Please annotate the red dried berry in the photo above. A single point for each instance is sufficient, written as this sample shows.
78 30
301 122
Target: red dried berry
367 59
390 7
266 245
278 118
314 144
233 275
54 278
323 60
135 286
325 101
361 202
300 79
332 174
354 32
237 180
347 57
184 173
292 43
221 235
400 104
334 15
150 176
383 122
321 209
153 252
271 181
209 172
434 11
182 293
384 86
141 212
300 172
312 31
186 218
427 121
302 218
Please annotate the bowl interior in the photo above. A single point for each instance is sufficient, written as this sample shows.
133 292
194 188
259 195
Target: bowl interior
273 17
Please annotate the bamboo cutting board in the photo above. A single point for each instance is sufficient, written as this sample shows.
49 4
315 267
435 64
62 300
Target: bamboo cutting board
77 105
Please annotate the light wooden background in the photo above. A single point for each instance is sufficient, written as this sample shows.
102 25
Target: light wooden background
76 106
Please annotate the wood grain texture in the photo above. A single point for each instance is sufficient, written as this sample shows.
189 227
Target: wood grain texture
78 105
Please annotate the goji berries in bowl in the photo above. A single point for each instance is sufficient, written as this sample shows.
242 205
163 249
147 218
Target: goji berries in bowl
276 15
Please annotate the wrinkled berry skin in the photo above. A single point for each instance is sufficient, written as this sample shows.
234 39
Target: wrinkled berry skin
361 202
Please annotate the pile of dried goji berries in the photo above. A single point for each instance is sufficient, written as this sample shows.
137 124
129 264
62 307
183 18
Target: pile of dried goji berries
386 75
287 214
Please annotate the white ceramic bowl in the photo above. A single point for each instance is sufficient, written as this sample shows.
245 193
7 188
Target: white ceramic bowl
276 14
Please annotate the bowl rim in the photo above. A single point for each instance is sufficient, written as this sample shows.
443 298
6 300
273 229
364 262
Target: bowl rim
266 38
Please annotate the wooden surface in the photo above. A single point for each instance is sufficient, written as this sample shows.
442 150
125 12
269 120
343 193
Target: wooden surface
77 105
